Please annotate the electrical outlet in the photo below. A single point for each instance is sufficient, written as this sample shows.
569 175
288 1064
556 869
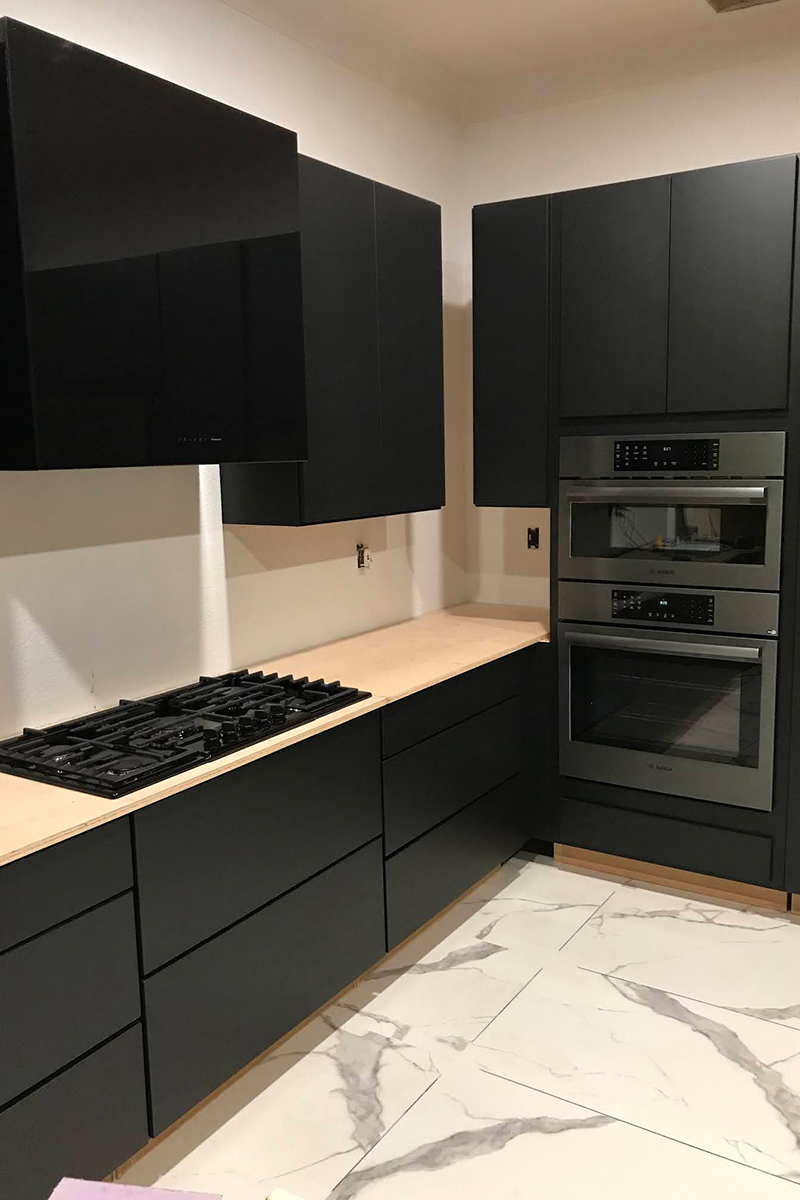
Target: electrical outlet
363 557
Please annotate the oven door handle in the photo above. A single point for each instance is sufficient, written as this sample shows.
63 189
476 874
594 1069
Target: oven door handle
652 646
680 495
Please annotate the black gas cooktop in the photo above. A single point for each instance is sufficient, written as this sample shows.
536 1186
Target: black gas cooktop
122 749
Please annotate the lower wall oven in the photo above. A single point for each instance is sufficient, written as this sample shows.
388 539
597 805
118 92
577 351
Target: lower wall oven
669 691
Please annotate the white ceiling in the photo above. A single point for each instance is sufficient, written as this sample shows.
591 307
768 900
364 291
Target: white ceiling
476 58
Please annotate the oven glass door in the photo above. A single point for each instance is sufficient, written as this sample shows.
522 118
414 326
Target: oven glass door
678 713
695 534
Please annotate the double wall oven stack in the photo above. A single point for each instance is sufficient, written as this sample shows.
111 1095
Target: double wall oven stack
669 565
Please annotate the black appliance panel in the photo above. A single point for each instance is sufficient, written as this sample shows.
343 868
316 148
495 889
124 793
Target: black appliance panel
680 454
662 607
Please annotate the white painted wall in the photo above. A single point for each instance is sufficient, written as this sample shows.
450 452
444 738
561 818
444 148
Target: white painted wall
117 583
744 112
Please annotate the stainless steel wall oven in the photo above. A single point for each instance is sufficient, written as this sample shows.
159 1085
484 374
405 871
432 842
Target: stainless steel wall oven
697 512
668 683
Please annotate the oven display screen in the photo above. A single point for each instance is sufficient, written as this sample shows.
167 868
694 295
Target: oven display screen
683 454
661 608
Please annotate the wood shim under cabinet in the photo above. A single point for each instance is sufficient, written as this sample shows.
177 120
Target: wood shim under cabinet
750 894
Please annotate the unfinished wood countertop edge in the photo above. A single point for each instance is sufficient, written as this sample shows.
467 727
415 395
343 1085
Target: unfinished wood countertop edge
20 844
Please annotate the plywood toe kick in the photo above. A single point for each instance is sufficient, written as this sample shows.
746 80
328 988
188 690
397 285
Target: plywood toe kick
733 891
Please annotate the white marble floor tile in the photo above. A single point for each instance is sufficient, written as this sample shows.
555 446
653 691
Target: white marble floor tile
737 958
473 1136
706 1076
300 1120
530 906
441 989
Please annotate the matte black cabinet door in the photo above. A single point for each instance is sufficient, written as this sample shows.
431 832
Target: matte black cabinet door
430 781
409 238
614 285
427 875
434 709
65 992
731 273
212 854
510 356
84 1123
372 298
342 478
217 1008
54 884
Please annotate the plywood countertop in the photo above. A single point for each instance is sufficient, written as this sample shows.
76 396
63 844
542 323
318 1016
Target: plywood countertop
390 663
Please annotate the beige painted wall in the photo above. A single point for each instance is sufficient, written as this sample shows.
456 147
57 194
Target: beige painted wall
118 583
122 582
745 112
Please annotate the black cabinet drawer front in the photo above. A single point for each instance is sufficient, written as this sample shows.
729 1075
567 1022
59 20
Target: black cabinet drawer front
65 992
436 708
667 841
83 1124
436 778
219 851
217 1008
426 876
52 885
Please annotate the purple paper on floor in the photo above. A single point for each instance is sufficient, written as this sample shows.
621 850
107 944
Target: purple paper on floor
81 1189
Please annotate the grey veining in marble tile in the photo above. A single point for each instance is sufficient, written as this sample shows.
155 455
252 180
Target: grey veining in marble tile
726 1042
735 958
467 1143
301 1118
454 960
474 1135
702 1074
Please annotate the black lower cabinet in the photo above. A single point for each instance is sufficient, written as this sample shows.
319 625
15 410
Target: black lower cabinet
211 1012
66 991
218 851
426 876
434 779
54 884
83 1123
706 849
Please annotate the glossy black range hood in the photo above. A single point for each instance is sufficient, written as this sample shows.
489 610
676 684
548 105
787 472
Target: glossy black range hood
149 269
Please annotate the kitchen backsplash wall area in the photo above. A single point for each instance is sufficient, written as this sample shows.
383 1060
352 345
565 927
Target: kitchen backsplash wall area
123 582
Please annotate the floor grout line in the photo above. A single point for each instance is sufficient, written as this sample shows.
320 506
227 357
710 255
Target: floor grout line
740 1012
632 1125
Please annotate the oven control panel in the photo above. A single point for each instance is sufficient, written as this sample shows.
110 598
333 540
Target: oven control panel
681 454
662 608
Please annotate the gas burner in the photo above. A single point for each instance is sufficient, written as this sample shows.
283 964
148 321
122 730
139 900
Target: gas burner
139 742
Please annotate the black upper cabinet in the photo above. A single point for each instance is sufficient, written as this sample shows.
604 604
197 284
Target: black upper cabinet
372 295
614 261
409 242
510 331
730 287
150 269
342 477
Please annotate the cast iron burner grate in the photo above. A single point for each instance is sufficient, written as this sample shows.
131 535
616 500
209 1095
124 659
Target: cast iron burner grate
139 742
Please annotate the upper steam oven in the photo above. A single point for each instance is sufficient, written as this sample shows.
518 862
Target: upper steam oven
685 510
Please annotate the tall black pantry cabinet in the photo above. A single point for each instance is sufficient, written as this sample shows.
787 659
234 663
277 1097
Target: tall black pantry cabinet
510 351
372 298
